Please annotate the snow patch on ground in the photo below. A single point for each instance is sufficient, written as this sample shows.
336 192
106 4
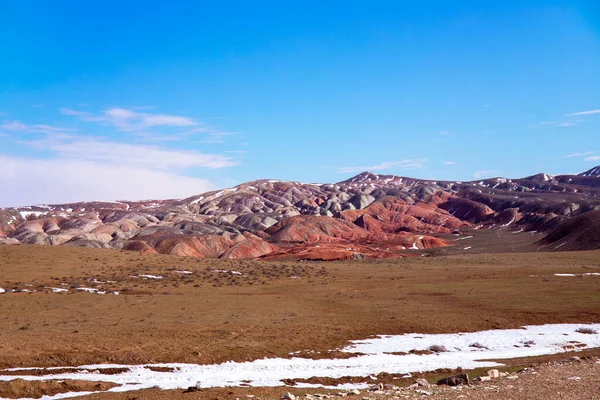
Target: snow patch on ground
58 290
466 237
388 353
227 271
26 214
90 290
151 276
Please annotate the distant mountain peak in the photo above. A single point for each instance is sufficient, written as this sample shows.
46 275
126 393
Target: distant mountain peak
541 177
594 172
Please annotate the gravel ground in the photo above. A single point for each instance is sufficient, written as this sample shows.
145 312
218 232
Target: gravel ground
578 379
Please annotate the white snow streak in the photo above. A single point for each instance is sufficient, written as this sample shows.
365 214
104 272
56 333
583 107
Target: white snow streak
373 356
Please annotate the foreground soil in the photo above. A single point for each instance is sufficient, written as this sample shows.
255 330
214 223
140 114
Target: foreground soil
243 310
175 309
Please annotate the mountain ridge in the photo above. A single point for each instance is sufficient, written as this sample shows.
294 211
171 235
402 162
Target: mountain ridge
273 218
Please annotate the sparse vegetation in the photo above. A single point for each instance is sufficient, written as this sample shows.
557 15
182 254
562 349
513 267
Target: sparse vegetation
437 349
263 310
478 345
588 331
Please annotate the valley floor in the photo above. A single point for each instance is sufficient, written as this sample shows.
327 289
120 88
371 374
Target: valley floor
171 309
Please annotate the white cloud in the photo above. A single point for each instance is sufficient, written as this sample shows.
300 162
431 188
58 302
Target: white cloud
404 164
141 123
449 162
13 126
18 126
129 121
587 153
557 123
486 173
590 112
444 133
125 154
594 158
81 167
70 111
34 181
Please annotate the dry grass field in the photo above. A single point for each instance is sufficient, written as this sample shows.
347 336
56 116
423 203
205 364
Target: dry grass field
243 310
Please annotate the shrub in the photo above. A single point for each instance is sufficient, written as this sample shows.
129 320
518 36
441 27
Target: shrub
478 345
437 348
588 331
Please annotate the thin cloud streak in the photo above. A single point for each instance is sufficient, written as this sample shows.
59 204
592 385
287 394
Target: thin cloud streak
587 153
116 153
18 126
563 124
129 121
403 164
590 112
141 123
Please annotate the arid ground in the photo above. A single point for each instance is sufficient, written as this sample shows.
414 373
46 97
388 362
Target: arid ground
218 310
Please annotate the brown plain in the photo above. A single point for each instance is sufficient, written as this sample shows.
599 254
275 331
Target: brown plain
273 308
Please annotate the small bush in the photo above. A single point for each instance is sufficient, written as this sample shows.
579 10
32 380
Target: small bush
478 345
437 348
588 331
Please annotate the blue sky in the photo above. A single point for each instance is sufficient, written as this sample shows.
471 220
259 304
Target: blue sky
154 99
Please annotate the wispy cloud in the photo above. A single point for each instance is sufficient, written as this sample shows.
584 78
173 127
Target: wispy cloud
449 162
403 164
211 135
91 167
116 153
444 133
563 124
589 112
70 111
486 173
594 158
18 126
568 123
586 153
142 124
129 120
